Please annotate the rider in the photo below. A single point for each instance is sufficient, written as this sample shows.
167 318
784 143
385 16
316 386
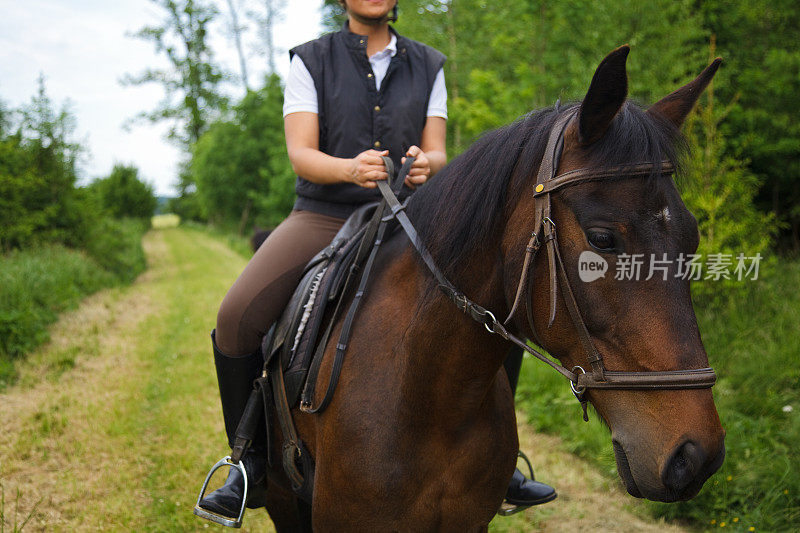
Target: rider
351 97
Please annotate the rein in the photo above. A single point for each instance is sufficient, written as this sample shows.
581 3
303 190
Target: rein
547 182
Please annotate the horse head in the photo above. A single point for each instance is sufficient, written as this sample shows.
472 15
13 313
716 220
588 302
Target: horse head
667 442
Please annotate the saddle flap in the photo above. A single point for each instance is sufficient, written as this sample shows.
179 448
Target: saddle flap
298 328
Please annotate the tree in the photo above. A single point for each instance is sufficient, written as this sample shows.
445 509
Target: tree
236 29
532 53
192 82
38 199
333 15
124 195
266 19
719 189
758 41
240 165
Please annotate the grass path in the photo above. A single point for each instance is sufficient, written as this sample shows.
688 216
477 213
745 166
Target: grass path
114 422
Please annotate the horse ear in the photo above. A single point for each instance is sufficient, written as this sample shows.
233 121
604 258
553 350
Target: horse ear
605 97
676 106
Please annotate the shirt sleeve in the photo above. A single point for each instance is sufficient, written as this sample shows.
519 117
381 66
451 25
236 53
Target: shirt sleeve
437 103
300 93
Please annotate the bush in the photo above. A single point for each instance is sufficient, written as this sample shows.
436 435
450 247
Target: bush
123 195
116 245
36 285
45 218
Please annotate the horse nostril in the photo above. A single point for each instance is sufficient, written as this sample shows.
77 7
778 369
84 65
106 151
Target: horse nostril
682 467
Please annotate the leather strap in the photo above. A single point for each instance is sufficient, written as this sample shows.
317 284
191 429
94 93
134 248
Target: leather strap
248 425
363 248
547 169
619 172
380 223
292 451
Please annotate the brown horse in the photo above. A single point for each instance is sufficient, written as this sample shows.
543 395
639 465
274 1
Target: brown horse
421 433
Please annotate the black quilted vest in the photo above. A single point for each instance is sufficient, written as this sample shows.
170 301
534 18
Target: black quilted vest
354 116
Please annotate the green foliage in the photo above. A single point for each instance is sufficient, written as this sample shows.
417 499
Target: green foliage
36 285
719 190
531 53
116 245
751 342
38 199
122 194
240 165
192 79
57 242
758 40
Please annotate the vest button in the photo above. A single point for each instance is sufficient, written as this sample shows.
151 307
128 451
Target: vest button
377 144
369 75
377 108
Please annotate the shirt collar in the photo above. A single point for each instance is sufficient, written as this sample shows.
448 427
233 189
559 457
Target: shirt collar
354 40
391 48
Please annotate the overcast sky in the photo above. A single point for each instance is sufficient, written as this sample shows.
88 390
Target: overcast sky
82 49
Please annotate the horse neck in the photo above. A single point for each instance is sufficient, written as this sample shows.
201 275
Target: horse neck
452 359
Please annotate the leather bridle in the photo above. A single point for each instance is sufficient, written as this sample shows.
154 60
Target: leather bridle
270 387
544 234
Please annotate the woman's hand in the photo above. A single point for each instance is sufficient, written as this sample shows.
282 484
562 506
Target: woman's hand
367 167
420 170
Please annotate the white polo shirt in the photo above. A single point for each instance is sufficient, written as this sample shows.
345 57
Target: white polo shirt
301 95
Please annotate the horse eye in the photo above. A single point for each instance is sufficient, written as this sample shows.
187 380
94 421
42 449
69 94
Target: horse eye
601 240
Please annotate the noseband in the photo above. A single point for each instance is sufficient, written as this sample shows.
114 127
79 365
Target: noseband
544 234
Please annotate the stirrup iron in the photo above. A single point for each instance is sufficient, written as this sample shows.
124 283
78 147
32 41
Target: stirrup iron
214 517
507 509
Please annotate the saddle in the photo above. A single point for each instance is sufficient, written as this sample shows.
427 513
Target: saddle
294 347
298 335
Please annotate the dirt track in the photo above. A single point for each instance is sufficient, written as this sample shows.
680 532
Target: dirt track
115 420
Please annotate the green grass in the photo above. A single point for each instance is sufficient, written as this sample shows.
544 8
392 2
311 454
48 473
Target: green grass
36 285
240 244
135 425
753 343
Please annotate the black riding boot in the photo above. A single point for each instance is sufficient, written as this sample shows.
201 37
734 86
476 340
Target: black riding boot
522 491
235 376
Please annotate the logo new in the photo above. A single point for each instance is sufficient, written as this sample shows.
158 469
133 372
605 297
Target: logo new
591 266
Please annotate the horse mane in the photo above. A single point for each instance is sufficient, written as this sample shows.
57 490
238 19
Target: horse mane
456 213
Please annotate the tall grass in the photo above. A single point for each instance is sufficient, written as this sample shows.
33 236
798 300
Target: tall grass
38 284
752 341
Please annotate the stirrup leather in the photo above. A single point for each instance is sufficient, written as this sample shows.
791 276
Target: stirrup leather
214 517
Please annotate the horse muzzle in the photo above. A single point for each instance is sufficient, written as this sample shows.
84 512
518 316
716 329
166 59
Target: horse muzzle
680 477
